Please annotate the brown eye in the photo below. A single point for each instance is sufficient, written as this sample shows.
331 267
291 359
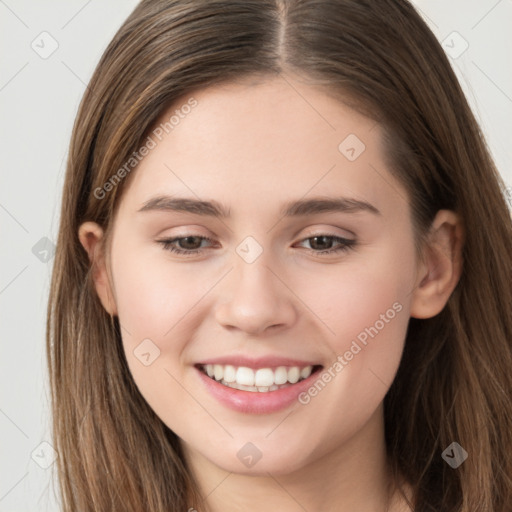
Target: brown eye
189 242
323 244
184 245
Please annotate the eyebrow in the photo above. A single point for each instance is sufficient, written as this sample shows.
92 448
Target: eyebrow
291 209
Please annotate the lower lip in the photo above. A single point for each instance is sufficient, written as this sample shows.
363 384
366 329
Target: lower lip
255 402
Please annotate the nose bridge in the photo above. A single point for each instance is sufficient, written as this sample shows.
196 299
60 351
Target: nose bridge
252 262
253 297
256 276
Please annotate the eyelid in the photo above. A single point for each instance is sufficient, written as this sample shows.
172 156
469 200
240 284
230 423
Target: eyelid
309 232
182 231
326 231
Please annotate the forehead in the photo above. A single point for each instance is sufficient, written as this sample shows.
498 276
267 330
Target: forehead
276 137
279 109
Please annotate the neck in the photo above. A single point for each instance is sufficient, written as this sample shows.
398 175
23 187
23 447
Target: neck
352 476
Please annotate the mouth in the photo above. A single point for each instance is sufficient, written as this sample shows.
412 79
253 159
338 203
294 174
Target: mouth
257 380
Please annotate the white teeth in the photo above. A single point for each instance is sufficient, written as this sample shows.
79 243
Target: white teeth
229 373
306 372
293 375
245 376
218 371
264 377
254 389
281 375
261 380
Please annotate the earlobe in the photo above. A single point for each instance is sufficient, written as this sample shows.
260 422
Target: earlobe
91 236
441 269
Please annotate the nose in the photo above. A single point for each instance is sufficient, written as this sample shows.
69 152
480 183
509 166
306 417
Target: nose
257 299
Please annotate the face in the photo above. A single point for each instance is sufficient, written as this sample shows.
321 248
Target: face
297 263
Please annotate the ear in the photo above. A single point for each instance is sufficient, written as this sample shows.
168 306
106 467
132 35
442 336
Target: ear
441 269
90 234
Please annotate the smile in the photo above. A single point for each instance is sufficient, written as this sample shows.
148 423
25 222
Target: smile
260 380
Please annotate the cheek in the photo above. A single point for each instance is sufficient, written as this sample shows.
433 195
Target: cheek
154 296
365 308
155 301
361 298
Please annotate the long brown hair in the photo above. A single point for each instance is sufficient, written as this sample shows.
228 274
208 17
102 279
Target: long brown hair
455 380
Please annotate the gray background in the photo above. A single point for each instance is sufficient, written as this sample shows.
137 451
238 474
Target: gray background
39 96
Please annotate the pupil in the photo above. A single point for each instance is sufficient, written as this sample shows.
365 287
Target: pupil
324 238
189 239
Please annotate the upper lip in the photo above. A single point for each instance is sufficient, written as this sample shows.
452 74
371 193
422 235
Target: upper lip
257 362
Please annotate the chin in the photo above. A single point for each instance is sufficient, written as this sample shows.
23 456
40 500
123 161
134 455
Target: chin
275 463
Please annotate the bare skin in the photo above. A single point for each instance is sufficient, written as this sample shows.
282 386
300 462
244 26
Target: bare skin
253 148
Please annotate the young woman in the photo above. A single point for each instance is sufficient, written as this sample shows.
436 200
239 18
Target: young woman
283 277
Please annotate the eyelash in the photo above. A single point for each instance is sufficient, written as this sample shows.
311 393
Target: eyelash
347 244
